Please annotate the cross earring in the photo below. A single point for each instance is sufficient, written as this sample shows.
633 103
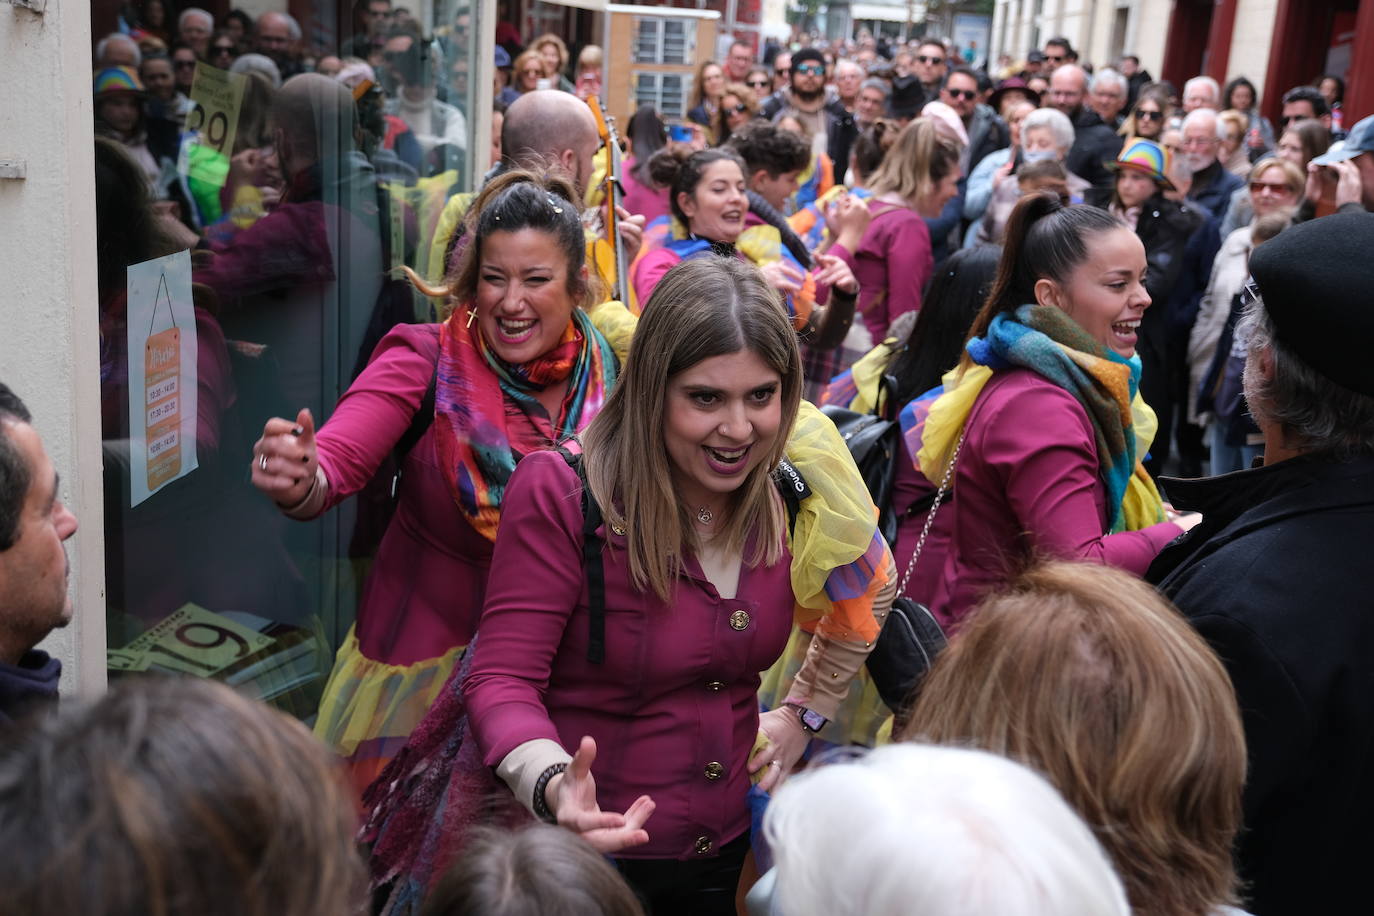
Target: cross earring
472 315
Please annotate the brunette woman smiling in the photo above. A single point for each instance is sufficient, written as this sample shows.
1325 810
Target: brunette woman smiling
1039 420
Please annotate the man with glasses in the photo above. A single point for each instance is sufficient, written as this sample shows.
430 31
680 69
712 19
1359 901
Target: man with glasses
277 35
738 61
1094 142
1212 185
986 131
872 102
848 76
831 125
183 68
930 65
194 27
1107 96
1305 103
1058 52
782 70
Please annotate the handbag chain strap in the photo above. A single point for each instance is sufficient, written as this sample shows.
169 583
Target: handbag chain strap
934 507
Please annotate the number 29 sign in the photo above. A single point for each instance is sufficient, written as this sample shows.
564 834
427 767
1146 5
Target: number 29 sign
213 122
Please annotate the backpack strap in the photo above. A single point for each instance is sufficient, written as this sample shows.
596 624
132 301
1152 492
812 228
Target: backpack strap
592 562
420 423
792 488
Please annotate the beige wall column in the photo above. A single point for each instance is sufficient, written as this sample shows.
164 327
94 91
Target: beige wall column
49 350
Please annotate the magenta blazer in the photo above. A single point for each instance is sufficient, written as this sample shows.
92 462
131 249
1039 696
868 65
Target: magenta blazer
673 708
1027 485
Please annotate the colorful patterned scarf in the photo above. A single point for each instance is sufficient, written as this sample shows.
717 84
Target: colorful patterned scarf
1046 340
485 410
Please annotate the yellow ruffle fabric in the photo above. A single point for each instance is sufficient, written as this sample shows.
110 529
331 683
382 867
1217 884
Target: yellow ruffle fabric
370 708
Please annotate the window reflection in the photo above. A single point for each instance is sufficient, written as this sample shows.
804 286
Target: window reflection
302 164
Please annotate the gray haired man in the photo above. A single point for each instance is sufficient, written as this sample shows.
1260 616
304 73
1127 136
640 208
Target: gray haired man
1273 576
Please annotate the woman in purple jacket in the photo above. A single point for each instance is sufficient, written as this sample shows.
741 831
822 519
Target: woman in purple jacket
1042 421
695 560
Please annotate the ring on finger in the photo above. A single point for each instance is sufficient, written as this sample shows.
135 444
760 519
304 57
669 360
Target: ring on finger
262 462
775 763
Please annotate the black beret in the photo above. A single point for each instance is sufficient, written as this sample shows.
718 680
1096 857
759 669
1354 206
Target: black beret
805 54
908 97
1314 280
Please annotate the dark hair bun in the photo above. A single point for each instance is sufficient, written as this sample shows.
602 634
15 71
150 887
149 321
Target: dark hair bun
666 164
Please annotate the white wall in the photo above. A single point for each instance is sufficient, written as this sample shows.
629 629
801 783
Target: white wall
1250 41
49 350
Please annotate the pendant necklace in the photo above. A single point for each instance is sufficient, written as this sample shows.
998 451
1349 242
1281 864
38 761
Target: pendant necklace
705 516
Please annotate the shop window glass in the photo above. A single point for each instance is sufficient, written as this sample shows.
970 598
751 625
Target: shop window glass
298 198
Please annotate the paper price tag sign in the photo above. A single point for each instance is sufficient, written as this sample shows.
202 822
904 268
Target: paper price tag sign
213 122
162 385
191 640
161 373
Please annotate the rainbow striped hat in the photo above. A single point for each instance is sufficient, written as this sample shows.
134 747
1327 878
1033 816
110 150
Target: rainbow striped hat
1145 156
116 79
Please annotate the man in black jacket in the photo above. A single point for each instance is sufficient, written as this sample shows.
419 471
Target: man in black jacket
833 128
986 131
1273 576
1094 143
33 562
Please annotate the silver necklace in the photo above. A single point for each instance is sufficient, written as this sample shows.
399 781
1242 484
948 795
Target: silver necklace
705 516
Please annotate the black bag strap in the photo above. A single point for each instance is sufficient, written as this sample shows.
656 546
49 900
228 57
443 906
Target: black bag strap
791 486
420 422
592 562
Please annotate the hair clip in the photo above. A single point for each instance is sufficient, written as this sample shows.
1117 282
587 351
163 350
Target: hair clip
554 204
496 217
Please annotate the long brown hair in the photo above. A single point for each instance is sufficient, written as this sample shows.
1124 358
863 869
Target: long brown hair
701 308
1086 674
170 796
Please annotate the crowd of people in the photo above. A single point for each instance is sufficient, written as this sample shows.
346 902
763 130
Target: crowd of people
624 578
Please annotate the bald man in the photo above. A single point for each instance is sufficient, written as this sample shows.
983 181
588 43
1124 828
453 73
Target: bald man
544 128
1094 141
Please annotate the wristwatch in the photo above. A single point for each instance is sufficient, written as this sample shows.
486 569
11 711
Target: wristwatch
811 721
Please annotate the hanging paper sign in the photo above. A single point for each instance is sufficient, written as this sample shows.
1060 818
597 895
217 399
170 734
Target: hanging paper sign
210 127
162 374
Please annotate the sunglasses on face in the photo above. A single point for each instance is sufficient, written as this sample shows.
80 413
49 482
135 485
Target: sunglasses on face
922 59
966 94
1150 115
758 84
1054 58
222 49
812 69
1273 187
184 64
736 109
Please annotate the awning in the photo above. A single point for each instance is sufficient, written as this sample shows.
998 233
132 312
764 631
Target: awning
886 12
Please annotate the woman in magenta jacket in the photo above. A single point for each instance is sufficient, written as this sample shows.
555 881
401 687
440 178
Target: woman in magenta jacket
1042 421
644 740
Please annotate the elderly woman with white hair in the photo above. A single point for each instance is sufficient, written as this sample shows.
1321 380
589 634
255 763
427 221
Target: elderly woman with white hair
931 831
1046 133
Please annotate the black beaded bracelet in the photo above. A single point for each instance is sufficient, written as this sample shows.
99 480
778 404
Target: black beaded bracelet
541 804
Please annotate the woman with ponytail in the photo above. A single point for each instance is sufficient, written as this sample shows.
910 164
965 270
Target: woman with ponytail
1041 420
711 215
516 367
893 261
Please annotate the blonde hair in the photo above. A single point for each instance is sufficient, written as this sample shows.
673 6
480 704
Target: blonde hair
548 38
1085 673
702 308
1236 124
591 57
918 160
1292 175
520 62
